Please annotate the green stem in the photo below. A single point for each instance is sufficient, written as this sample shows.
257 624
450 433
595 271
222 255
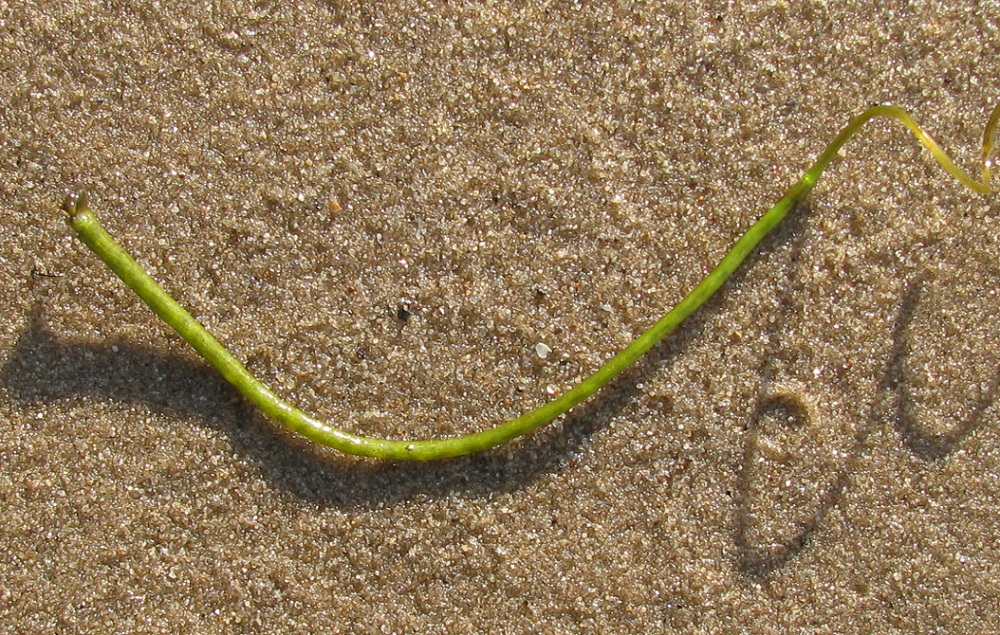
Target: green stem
90 231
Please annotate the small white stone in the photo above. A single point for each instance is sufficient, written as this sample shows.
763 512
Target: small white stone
542 350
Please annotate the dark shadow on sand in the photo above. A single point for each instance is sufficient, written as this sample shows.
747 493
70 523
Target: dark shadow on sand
759 556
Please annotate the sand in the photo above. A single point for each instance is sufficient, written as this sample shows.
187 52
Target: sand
385 208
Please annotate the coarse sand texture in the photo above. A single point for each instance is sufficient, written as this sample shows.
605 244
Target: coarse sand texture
418 220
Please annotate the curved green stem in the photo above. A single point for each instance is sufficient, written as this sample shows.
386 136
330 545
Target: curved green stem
90 231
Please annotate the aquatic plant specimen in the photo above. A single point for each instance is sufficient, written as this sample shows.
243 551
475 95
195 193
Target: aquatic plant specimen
90 231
